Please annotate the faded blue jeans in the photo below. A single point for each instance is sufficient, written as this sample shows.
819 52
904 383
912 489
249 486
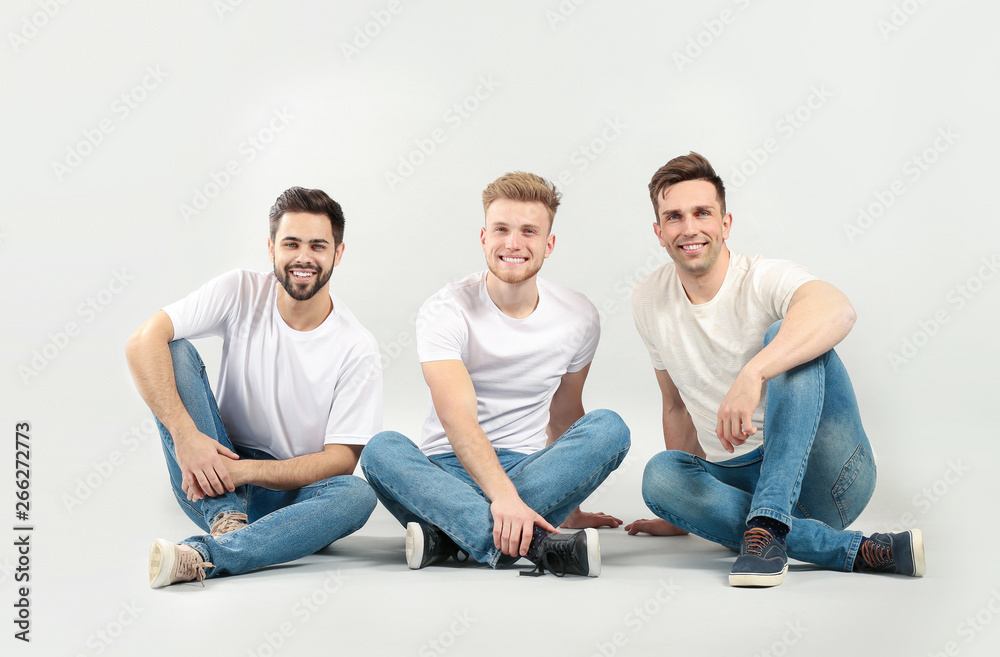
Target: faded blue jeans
815 471
437 490
283 525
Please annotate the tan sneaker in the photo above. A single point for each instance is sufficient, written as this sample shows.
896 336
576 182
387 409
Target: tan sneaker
228 522
170 563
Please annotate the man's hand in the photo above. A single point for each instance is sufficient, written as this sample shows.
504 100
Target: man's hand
203 472
658 527
735 423
582 520
513 524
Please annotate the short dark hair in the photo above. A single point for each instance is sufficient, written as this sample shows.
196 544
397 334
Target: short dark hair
680 169
313 201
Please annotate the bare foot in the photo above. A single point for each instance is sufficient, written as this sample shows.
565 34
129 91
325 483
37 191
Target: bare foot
658 527
583 520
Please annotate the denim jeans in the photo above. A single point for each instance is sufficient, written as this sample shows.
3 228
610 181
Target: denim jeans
283 525
438 491
815 471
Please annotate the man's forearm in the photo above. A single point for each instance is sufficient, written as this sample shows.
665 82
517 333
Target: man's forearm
475 453
679 432
813 326
296 472
152 371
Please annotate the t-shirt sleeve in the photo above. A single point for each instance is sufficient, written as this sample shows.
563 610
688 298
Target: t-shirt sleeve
442 331
208 310
775 281
640 312
356 414
589 332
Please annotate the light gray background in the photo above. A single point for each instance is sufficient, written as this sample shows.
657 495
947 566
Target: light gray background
551 79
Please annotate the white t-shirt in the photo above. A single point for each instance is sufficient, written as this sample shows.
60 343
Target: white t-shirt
703 347
283 391
516 365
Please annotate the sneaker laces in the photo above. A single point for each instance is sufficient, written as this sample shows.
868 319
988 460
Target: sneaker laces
561 551
757 540
228 522
875 555
191 565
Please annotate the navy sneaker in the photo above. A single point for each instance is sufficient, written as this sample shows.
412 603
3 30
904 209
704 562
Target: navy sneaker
574 554
901 553
762 560
426 545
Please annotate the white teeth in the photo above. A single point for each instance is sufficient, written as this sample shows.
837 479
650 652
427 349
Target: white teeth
692 247
297 274
516 261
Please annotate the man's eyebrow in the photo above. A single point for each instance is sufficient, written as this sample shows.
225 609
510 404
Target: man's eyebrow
292 238
697 208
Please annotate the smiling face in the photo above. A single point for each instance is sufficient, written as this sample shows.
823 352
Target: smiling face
691 226
516 239
304 254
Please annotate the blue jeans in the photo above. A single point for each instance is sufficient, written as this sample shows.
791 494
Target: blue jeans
438 491
283 525
815 471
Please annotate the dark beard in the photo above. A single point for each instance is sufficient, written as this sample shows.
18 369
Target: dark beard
288 282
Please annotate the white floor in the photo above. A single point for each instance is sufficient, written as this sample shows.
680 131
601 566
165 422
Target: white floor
654 596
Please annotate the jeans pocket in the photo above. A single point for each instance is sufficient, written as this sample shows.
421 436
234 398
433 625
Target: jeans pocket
855 485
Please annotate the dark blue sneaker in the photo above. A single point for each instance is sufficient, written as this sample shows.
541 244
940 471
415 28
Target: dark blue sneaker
901 553
427 545
762 560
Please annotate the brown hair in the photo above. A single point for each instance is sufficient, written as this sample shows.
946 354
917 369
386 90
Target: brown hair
313 201
680 169
523 186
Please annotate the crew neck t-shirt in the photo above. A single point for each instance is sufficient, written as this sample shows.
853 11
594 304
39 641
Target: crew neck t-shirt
516 365
704 346
283 391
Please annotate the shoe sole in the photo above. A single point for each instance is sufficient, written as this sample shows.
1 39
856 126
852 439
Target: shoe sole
917 549
593 553
758 579
161 562
414 545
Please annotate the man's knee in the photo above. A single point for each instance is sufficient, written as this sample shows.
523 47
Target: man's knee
184 355
772 331
379 449
361 493
611 429
663 474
